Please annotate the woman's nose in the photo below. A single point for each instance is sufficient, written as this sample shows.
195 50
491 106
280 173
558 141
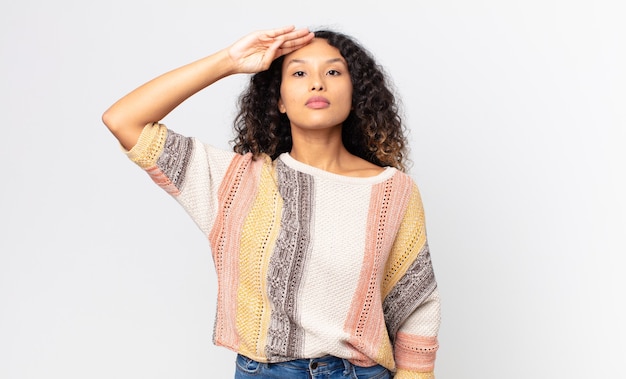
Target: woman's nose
317 85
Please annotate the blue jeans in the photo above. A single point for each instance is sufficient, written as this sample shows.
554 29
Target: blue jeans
327 367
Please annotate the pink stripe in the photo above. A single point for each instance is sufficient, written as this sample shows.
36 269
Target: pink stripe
235 197
366 322
415 353
162 180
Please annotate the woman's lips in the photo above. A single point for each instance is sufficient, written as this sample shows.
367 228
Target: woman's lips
317 102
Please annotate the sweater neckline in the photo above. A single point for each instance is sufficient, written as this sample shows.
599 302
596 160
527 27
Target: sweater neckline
288 160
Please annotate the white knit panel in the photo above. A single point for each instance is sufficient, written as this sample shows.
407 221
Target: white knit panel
425 321
204 175
333 267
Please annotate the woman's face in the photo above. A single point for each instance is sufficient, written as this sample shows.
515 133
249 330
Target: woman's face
316 89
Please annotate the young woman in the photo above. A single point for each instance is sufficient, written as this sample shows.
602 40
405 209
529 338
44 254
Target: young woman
317 234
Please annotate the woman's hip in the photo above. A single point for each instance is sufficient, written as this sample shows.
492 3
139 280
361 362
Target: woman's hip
327 367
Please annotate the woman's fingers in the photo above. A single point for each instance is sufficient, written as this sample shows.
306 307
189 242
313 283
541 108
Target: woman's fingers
274 33
256 51
294 40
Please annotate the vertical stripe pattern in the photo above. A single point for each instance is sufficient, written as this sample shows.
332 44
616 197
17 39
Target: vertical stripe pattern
365 323
259 235
285 337
235 196
411 291
349 275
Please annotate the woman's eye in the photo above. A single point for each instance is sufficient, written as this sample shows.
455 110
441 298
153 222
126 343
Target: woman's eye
298 73
333 72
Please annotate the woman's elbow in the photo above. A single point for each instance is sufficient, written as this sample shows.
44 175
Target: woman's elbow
124 131
110 120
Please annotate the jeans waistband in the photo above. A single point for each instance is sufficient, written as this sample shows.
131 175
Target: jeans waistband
323 363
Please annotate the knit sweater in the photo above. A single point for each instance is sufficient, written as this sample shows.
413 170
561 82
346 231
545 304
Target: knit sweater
309 263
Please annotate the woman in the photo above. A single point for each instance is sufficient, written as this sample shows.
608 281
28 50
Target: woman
317 234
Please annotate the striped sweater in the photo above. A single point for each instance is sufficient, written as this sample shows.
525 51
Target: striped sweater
309 263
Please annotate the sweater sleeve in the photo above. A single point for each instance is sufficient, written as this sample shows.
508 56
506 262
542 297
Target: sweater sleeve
416 344
187 169
411 305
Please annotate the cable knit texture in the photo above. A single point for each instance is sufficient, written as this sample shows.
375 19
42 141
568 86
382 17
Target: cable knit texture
308 263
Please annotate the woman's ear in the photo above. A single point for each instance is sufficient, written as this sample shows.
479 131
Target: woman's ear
281 106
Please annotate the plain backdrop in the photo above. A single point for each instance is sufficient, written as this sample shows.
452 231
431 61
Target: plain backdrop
517 120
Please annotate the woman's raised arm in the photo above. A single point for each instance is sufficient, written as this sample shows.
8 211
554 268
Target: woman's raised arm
155 99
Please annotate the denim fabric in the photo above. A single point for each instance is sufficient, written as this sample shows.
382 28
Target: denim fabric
318 368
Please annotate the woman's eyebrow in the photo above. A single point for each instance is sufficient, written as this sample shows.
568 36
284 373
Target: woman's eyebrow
331 60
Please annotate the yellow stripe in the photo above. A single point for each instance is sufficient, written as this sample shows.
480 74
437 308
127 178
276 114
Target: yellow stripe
149 145
259 234
409 241
404 374
384 357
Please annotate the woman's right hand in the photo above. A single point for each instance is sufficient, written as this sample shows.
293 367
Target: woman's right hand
256 51
153 100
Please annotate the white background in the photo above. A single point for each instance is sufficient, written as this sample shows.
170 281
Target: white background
518 126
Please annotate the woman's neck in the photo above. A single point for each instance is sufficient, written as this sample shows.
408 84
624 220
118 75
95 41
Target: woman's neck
332 156
321 148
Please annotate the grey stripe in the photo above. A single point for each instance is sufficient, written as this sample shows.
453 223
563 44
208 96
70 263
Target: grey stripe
410 292
285 338
175 157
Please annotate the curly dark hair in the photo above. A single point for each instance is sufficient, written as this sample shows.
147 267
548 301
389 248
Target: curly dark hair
373 130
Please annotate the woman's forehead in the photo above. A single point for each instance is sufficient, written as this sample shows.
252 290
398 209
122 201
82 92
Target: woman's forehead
318 48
